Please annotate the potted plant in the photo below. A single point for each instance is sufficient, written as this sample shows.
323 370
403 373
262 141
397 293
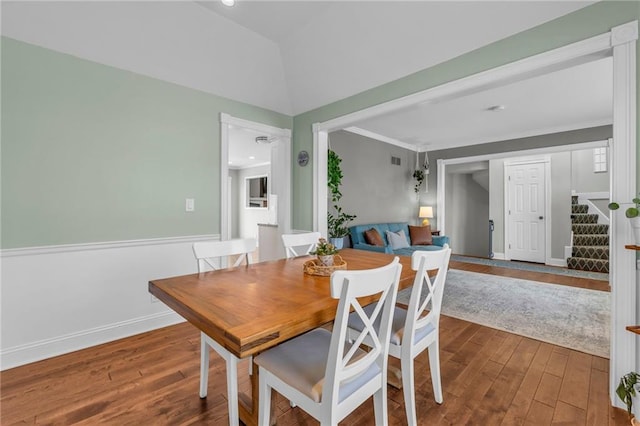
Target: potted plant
626 391
336 222
418 175
325 251
337 225
633 213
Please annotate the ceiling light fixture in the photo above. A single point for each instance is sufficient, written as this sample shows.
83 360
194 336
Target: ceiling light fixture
229 3
496 108
252 158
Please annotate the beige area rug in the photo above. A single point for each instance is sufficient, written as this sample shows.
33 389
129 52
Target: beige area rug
571 317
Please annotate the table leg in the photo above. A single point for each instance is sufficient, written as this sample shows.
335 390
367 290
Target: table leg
248 404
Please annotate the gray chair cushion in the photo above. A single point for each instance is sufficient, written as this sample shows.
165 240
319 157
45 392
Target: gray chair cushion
301 362
397 327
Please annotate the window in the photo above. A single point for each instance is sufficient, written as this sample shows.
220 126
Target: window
600 160
256 192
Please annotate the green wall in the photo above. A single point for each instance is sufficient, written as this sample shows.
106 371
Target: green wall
92 153
584 23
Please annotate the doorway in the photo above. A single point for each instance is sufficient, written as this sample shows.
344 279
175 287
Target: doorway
278 170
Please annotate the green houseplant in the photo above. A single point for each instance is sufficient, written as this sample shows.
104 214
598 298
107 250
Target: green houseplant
626 391
325 251
633 213
337 220
418 175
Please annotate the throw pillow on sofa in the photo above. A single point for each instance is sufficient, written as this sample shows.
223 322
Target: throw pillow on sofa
373 237
420 235
397 240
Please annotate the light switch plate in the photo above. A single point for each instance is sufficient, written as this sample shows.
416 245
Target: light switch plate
190 205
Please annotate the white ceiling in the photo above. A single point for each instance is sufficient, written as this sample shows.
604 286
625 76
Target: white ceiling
244 152
294 56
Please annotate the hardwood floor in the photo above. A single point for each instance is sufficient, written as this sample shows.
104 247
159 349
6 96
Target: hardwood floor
489 377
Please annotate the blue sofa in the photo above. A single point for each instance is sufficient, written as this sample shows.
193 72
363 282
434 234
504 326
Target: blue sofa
358 241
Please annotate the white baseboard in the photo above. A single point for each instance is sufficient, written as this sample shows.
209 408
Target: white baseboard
557 262
25 354
498 256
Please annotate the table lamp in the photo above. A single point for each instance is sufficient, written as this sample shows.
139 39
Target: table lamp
426 213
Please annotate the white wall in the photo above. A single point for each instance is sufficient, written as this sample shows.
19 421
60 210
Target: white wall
65 298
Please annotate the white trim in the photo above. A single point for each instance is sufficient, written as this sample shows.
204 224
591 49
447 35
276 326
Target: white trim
499 256
552 261
108 245
440 197
284 195
546 160
597 195
625 354
24 354
382 138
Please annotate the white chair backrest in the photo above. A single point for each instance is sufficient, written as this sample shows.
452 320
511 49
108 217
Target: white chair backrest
425 291
299 244
348 286
208 253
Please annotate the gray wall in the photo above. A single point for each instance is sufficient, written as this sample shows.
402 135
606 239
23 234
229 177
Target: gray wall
467 208
373 188
583 178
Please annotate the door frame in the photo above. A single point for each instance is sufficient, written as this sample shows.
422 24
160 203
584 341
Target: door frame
620 42
547 204
283 168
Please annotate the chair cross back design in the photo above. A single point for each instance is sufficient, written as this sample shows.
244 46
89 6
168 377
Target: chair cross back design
299 244
412 331
321 371
206 254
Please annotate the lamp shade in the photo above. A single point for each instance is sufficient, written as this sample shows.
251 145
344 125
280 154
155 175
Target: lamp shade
426 211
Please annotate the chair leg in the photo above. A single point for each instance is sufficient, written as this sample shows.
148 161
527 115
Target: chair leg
232 389
264 401
204 367
408 389
434 365
380 406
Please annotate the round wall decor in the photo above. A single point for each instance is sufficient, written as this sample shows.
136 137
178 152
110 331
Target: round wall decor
303 158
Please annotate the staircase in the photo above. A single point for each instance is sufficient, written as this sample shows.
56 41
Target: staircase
590 240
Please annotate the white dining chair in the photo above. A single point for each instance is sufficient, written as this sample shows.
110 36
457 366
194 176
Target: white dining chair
324 374
210 255
412 331
299 244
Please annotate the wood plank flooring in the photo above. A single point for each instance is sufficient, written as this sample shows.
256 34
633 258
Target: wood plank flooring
489 377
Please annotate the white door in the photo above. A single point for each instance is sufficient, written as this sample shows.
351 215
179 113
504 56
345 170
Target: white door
526 212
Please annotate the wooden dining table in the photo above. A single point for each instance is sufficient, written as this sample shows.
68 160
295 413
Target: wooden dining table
252 308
